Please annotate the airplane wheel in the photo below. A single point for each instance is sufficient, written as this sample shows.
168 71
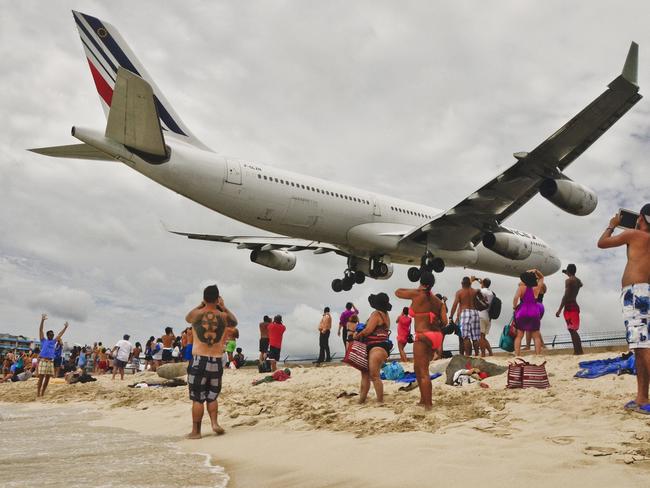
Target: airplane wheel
438 265
382 269
359 277
414 274
347 283
337 285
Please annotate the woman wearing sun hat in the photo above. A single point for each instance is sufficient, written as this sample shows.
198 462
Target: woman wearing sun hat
376 335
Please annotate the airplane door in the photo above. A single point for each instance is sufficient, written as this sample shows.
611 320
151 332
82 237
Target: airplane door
376 210
233 174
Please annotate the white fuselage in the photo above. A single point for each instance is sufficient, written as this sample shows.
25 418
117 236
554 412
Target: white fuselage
361 223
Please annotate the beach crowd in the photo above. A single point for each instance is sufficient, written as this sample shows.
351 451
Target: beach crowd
208 343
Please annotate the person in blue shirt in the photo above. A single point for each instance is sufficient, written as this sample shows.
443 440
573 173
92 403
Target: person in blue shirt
58 357
46 356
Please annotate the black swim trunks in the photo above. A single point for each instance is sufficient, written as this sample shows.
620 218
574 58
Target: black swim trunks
264 344
204 378
167 355
274 353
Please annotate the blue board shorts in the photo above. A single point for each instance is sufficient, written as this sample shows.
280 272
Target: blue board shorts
635 301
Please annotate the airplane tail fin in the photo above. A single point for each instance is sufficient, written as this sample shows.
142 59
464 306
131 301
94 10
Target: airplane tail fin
106 51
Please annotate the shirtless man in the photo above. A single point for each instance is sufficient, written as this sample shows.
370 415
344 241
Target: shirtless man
570 306
324 328
209 322
467 316
264 338
635 297
430 317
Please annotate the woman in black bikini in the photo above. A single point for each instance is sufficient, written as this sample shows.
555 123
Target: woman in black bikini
376 335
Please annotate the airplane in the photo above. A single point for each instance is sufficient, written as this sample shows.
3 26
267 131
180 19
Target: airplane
372 231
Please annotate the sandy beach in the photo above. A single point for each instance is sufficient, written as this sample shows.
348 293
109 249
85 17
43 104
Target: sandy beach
297 433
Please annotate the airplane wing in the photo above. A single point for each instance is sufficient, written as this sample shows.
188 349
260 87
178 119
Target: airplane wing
266 243
485 209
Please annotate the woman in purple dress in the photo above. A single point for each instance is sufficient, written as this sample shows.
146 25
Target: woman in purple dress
528 311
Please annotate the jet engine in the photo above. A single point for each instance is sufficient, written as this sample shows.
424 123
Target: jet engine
569 196
508 245
280 260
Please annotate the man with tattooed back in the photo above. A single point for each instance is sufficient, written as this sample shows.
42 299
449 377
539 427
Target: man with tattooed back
209 322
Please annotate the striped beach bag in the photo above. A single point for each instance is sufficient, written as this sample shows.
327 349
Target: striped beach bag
535 376
522 374
356 355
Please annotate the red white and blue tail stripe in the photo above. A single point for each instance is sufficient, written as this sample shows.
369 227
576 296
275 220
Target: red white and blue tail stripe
105 51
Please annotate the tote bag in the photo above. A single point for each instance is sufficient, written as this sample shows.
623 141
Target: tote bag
356 355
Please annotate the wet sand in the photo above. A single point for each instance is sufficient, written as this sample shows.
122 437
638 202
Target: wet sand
297 433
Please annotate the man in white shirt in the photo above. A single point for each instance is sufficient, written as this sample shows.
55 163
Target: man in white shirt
123 356
484 315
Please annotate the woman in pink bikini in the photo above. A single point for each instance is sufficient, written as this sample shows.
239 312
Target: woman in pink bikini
430 316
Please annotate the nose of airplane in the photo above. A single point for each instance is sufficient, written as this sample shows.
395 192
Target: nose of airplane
552 265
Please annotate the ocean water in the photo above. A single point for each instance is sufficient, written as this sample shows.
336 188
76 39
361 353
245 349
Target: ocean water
56 447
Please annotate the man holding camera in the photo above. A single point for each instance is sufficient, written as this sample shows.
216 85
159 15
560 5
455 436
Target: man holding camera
209 322
635 297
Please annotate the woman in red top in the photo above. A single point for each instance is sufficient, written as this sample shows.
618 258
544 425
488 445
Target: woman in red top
403 332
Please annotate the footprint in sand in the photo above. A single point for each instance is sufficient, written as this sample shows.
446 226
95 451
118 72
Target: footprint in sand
562 440
600 451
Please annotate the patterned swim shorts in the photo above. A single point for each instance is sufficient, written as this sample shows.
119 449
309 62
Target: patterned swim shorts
635 300
470 324
45 366
204 378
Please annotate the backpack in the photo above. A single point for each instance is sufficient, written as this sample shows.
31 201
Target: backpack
495 307
264 366
392 371
480 303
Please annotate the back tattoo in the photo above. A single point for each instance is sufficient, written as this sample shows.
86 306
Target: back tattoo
209 327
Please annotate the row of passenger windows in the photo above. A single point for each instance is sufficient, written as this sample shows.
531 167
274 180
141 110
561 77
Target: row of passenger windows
312 188
410 212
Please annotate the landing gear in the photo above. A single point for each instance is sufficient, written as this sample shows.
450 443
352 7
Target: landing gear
350 278
427 263
354 276
337 285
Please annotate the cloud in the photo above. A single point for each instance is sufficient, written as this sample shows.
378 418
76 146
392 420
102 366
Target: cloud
63 302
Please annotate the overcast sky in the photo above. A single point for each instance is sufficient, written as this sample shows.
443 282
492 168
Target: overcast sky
421 100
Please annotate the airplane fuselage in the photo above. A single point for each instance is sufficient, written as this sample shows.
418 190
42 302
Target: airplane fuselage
360 222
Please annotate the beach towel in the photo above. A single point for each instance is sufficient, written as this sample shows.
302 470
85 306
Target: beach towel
279 375
410 377
624 364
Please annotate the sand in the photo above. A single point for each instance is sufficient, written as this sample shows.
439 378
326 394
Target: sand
297 433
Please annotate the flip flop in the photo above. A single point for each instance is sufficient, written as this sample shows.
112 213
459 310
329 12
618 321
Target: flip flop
644 409
631 405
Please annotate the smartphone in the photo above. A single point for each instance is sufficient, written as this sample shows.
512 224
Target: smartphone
628 218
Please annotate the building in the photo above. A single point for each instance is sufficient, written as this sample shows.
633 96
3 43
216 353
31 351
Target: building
10 342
